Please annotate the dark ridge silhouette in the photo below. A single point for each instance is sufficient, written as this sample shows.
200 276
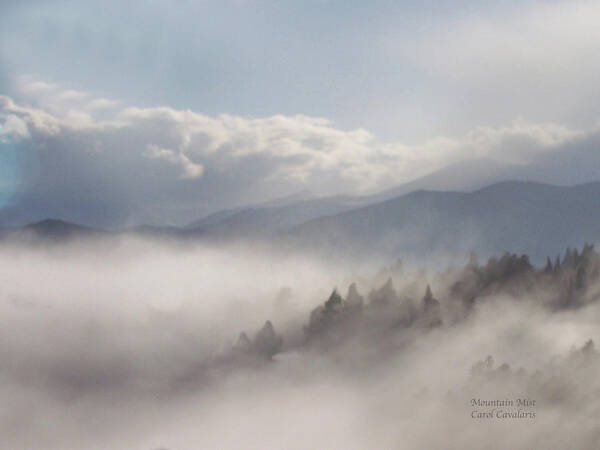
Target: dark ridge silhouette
59 230
524 217
264 221
520 217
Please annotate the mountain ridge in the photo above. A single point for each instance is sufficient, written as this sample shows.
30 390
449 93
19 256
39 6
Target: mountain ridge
517 216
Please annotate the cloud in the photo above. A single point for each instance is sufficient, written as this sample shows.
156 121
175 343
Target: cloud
401 70
160 162
98 353
190 169
535 60
15 127
101 103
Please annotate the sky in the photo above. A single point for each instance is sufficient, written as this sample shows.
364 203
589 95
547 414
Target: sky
161 112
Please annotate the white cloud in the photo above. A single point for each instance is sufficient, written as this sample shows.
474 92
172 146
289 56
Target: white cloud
190 169
31 86
14 127
101 103
521 142
173 150
71 95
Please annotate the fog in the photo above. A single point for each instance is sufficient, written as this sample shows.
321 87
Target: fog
134 343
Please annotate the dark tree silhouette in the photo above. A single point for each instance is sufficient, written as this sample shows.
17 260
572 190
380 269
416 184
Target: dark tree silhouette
266 342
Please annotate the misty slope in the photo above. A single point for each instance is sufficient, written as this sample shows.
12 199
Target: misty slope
52 230
294 210
463 176
264 220
515 216
523 217
223 215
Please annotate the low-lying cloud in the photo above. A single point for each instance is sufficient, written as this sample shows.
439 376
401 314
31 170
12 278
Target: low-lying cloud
134 344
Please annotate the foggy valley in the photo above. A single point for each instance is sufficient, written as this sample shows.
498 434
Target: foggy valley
230 346
299 225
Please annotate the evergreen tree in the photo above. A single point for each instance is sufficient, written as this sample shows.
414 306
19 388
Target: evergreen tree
548 268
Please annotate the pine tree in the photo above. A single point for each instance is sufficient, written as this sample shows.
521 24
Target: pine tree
548 268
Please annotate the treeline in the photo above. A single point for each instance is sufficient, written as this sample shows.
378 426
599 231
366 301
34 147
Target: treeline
565 282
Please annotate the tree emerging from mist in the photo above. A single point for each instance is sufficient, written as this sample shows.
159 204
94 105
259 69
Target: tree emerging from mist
387 312
356 367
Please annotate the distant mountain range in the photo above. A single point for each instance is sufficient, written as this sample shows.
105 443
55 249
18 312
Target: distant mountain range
52 229
534 218
267 218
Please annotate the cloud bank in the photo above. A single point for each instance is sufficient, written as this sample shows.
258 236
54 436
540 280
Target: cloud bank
141 353
95 161
403 70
